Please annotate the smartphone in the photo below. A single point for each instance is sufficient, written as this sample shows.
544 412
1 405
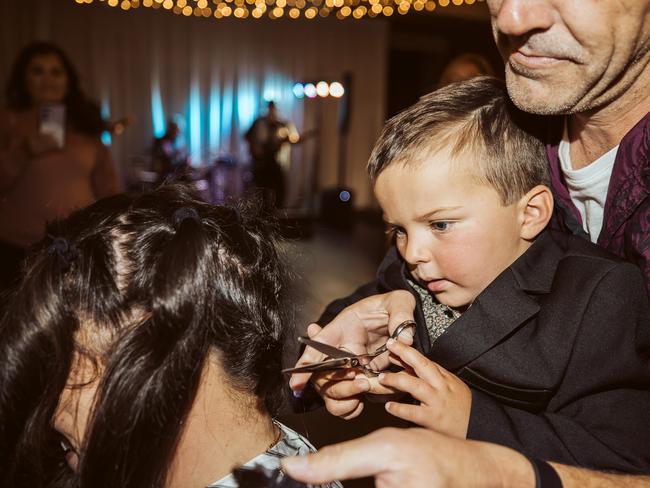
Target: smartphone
52 122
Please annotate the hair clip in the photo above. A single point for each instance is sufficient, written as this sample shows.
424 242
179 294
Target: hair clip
66 251
184 213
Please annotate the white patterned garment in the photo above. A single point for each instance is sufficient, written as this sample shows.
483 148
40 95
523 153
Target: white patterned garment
290 444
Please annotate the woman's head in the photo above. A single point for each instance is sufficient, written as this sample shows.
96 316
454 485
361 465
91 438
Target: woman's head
134 296
43 74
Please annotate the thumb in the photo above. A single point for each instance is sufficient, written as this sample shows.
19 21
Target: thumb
344 461
313 330
400 305
298 381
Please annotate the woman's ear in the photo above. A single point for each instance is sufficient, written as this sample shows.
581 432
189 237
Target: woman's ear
536 209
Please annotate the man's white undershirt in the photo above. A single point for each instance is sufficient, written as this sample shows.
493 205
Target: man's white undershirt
588 186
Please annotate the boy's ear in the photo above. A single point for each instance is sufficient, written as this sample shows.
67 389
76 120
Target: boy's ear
536 209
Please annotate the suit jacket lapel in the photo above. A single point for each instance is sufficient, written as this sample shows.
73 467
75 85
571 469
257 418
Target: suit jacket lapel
486 323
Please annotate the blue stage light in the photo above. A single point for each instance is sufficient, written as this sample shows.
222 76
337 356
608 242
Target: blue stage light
345 196
299 90
195 119
106 115
214 118
157 110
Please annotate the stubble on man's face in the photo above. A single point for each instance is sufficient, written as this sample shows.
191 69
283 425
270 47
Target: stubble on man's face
570 56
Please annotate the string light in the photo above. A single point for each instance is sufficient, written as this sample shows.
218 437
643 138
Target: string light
322 89
291 9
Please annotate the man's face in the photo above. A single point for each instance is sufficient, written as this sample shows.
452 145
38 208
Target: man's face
571 56
454 232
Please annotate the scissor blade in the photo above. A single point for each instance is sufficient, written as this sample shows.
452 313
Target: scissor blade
329 365
331 351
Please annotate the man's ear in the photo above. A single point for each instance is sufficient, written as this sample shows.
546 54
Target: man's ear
536 208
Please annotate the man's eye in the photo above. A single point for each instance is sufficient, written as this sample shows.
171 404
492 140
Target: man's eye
441 226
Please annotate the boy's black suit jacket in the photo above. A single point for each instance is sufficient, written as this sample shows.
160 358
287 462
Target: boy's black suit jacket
556 351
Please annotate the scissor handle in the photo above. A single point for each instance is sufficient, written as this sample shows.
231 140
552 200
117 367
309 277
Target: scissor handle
400 328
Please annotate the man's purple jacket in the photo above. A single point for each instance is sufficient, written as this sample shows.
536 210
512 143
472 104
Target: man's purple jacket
626 220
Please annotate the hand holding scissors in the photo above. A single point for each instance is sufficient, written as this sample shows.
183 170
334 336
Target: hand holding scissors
363 327
342 359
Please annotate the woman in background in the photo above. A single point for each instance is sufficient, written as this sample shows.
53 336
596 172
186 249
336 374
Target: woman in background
42 176
143 349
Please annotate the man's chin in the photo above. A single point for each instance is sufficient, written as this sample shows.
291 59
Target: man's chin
537 95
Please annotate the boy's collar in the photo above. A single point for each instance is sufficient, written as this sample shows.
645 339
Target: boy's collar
534 270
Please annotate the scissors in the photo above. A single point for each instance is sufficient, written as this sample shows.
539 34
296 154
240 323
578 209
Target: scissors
341 359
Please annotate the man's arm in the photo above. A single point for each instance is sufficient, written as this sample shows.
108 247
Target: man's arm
416 458
573 477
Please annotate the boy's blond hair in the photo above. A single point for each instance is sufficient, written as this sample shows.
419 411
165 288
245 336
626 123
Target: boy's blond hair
476 119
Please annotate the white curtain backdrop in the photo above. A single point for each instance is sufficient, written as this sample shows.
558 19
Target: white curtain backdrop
217 74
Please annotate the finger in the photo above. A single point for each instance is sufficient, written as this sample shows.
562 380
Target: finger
310 355
322 378
414 386
298 381
400 305
345 409
398 362
313 330
380 363
366 456
341 390
376 388
410 413
421 365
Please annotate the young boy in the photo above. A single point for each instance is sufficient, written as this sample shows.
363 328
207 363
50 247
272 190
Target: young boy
534 339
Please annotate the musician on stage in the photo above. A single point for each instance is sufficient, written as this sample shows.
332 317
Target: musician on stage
269 140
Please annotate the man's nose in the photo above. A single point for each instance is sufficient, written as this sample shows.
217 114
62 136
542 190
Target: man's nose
520 17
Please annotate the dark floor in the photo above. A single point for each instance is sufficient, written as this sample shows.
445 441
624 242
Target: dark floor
331 265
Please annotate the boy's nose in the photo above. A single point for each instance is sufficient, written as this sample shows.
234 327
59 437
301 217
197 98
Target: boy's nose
416 252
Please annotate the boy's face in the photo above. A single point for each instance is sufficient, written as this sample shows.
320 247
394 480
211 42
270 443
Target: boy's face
452 230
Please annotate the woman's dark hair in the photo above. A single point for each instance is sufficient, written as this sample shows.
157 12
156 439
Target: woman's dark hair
83 114
170 280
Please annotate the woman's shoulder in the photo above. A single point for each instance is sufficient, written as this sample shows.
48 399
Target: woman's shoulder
290 443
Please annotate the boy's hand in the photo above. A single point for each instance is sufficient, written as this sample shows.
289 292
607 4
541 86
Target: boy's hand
360 328
445 401
343 391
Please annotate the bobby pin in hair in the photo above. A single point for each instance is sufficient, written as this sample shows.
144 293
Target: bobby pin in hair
184 213
65 250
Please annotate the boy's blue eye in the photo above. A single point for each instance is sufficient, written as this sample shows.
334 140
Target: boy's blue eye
441 226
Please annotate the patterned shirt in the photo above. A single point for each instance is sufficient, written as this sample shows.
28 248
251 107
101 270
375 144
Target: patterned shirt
438 317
